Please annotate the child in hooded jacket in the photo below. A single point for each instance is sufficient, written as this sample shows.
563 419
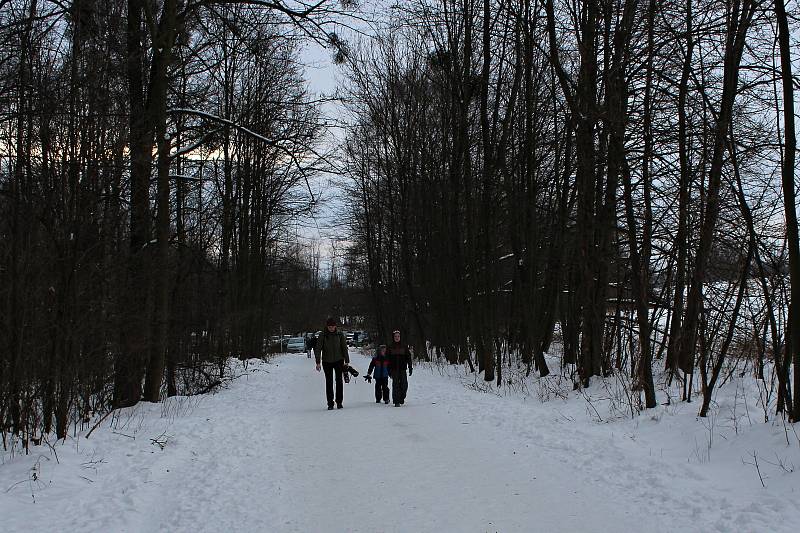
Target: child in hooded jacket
380 366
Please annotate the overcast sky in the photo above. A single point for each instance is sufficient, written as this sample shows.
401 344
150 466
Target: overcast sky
323 76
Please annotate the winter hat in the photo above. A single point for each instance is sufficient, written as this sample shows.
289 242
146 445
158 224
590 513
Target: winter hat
330 322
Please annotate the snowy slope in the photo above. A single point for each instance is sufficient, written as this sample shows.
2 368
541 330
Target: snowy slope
265 455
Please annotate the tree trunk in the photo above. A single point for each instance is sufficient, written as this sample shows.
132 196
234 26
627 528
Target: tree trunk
737 33
789 197
681 240
130 362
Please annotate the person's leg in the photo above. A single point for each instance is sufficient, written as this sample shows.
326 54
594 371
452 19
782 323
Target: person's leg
396 390
378 390
403 387
328 368
338 366
385 389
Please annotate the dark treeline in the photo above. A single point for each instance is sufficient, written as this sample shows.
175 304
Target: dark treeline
156 157
616 176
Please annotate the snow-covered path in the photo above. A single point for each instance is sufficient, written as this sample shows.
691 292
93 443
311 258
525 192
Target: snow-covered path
426 466
265 455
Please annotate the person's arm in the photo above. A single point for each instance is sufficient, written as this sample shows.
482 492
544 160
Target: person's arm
409 362
318 352
371 366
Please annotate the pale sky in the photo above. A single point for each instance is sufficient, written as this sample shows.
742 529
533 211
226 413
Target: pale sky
323 77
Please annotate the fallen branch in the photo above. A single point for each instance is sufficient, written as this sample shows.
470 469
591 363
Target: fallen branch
755 463
98 423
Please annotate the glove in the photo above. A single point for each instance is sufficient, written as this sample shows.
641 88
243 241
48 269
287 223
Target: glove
368 378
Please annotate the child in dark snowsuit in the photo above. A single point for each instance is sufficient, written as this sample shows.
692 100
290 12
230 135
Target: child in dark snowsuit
380 364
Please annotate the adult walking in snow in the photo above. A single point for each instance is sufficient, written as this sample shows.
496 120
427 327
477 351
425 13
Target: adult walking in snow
399 360
331 351
311 341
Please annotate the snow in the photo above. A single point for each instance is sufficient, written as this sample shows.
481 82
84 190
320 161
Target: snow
264 454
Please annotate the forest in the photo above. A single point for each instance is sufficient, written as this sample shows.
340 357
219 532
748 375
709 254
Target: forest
608 180
605 186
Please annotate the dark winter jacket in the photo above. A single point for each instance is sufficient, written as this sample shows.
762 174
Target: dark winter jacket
311 342
379 363
331 347
399 359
